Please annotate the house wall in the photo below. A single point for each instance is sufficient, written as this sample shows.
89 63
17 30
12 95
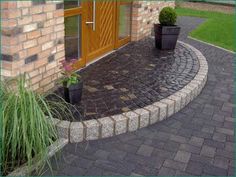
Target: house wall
145 14
32 37
32 41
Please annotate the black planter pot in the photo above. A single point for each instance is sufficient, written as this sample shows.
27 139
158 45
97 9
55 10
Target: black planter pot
73 94
166 36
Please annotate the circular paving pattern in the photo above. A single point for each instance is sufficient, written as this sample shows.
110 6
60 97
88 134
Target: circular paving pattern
133 77
131 120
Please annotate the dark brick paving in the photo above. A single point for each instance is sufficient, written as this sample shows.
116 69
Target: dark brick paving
196 141
133 77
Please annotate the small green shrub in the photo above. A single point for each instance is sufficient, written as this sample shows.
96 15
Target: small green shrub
167 16
27 128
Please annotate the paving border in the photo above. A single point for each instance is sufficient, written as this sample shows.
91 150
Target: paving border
133 120
230 51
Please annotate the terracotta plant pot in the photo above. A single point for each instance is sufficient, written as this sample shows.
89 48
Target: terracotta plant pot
166 36
73 93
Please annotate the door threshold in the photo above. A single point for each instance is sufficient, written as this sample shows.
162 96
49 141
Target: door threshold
98 58
106 54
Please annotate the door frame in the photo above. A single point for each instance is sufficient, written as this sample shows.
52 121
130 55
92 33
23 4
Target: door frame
82 10
121 42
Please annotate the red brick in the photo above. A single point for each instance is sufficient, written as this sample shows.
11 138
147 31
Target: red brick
36 79
6 65
24 20
44 39
33 34
34 50
30 43
41 62
39 17
8 23
24 4
27 68
49 8
45 81
8 5
58 13
8 14
36 9
47 30
5 40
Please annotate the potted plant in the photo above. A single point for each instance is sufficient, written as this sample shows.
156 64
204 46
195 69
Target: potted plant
166 33
72 83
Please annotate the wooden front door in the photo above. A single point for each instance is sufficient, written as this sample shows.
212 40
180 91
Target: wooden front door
100 28
93 28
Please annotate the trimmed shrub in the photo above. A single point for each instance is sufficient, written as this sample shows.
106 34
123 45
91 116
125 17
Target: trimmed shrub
167 16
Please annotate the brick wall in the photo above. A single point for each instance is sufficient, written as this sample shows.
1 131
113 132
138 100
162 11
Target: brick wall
32 37
145 14
32 40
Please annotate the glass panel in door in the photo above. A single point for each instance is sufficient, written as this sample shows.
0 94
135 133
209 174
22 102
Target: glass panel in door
124 21
73 37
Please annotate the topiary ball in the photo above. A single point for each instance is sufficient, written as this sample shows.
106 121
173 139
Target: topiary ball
167 16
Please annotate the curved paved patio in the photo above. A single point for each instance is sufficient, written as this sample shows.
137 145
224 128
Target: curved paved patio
133 77
198 140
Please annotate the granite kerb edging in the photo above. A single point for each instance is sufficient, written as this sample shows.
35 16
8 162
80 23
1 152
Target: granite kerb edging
133 120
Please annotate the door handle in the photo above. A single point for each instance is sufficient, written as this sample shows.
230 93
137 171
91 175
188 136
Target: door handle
94 16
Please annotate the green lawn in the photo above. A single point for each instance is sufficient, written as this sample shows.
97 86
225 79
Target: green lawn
219 28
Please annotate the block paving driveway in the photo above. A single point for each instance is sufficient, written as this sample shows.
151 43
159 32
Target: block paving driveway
196 141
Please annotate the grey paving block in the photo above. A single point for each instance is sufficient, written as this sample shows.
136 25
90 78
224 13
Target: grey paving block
145 150
208 151
101 154
196 141
213 143
190 148
221 162
201 159
179 139
174 165
215 171
166 172
225 131
195 168
219 137
182 156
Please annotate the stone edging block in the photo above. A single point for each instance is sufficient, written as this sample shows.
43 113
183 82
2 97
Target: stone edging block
133 120
107 127
139 118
